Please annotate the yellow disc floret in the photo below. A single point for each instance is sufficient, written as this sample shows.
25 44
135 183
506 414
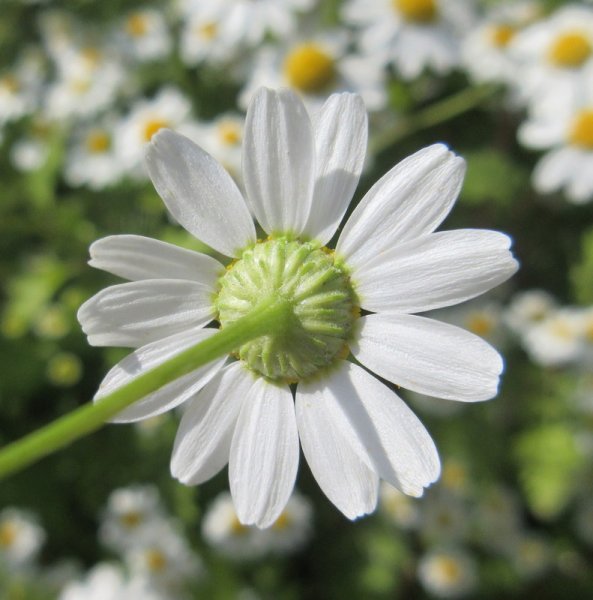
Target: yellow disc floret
502 34
152 126
309 68
137 25
570 50
581 131
321 297
97 141
416 11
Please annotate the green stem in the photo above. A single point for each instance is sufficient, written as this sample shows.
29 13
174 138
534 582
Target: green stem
267 317
436 113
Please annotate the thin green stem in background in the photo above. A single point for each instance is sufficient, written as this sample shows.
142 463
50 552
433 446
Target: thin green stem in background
267 317
436 113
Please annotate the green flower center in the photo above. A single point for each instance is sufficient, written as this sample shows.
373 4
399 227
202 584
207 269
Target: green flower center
324 307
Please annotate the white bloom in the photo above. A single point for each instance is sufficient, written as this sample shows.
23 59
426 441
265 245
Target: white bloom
444 517
106 581
299 178
129 517
554 56
144 35
398 507
29 154
169 108
19 91
412 35
314 67
528 308
448 573
21 538
531 555
91 160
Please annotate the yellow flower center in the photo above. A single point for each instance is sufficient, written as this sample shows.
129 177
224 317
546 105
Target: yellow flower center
97 142
91 56
156 560
237 528
480 323
80 86
309 69
137 25
282 522
152 126
570 50
501 35
454 475
450 569
229 133
581 131
589 331
10 83
131 519
7 535
561 329
416 11
207 31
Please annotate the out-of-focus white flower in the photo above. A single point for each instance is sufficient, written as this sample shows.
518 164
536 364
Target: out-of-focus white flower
91 159
398 507
129 517
144 35
107 582
299 178
244 23
21 538
485 50
448 573
222 529
164 558
530 554
28 154
314 68
412 35
557 340
88 82
554 56
527 309
444 517
168 109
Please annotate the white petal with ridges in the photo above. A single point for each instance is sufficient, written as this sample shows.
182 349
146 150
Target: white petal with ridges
278 161
409 201
349 483
429 357
341 131
135 257
149 357
264 454
203 440
200 194
435 270
137 313
377 425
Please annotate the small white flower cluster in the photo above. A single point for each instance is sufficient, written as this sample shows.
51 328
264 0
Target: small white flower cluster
21 538
222 529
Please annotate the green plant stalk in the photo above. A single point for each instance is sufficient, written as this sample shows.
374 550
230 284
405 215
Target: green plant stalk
436 113
269 316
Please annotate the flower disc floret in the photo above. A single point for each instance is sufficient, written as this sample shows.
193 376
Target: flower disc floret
323 303
417 11
570 50
581 131
309 68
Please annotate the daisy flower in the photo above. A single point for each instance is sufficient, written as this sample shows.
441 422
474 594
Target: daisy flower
448 573
411 35
314 67
21 538
251 409
144 35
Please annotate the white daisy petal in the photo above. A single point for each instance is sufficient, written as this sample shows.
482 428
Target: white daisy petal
278 161
428 357
200 194
378 426
435 270
203 440
348 482
140 312
264 454
135 257
341 131
149 357
410 200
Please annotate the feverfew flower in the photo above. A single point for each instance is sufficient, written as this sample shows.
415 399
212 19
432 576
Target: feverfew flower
314 67
299 178
107 581
144 35
398 507
448 573
528 308
21 538
411 35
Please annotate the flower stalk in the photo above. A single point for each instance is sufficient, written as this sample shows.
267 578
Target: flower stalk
267 317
